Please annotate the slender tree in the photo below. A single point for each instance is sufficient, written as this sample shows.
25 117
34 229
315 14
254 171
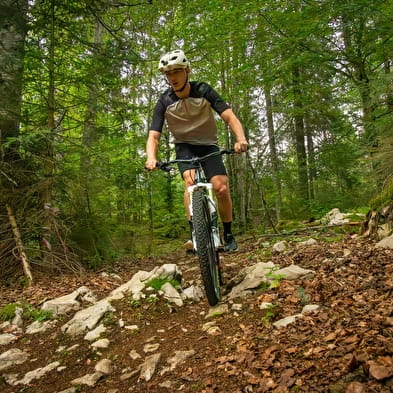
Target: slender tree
13 29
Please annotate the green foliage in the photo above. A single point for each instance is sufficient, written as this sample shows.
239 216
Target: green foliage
385 198
264 286
152 299
333 239
303 296
355 217
30 313
331 114
158 282
37 315
216 314
287 225
93 241
7 312
172 225
134 303
109 319
274 278
269 314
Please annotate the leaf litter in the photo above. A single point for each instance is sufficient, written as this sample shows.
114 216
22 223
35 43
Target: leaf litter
346 346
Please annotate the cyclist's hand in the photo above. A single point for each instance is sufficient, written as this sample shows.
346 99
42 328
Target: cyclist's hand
151 164
241 146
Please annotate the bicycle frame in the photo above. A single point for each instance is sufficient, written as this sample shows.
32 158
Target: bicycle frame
208 188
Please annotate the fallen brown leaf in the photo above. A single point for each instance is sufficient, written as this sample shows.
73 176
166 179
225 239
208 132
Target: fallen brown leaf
378 370
355 387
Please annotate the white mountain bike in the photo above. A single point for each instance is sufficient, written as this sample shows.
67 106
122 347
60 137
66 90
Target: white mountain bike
205 236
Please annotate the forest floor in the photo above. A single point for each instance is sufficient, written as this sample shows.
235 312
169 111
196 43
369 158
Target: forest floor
346 346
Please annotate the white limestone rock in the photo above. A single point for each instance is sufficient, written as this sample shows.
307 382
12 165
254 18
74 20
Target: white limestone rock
171 294
148 368
12 357
7 338
71 302
87 319
387 242
294 272
104 366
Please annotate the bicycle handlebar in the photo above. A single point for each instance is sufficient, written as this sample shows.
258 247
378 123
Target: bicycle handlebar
166 166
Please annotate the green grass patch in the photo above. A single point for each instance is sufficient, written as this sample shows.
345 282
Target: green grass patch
274 278
158 282
303 296
269 315
37 315
133 303
332 239
7 312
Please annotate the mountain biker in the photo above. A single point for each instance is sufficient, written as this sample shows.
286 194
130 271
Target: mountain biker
187 108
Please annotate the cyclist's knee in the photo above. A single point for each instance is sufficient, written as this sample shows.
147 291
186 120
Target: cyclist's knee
188 179
221 190
220 185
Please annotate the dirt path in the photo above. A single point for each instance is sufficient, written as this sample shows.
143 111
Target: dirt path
346 346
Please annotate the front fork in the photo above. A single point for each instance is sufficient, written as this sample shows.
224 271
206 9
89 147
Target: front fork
213 213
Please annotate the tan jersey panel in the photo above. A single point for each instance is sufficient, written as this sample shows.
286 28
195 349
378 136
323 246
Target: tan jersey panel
191 120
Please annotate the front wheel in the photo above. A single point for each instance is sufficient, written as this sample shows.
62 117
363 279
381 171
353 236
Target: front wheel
207 253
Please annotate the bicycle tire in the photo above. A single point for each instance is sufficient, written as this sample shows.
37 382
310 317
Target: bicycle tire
206 251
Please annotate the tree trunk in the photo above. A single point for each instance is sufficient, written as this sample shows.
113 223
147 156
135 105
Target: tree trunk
356 57
89 132
312 172
236 167
240 188
300 136
169 197
273 150
389 86
47 142
13 28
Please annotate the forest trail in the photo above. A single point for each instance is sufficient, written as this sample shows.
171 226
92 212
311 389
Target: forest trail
344 346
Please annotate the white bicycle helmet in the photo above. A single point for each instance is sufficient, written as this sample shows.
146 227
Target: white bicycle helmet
172 60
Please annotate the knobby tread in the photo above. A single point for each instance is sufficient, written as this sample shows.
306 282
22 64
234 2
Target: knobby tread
207 254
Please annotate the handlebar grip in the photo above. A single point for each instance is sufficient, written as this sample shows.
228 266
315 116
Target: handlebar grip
164 166
227 151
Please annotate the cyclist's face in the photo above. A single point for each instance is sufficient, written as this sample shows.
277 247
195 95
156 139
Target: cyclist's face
176 77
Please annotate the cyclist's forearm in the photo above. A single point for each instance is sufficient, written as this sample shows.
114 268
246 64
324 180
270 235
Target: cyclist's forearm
152 149
236 127
237 130
152 145
234 124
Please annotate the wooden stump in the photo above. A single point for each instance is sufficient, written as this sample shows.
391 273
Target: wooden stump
378 224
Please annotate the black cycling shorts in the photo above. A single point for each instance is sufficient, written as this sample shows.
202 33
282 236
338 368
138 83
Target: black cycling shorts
213 166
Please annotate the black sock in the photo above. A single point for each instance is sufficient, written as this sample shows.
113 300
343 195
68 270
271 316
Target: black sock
191 228
227 227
